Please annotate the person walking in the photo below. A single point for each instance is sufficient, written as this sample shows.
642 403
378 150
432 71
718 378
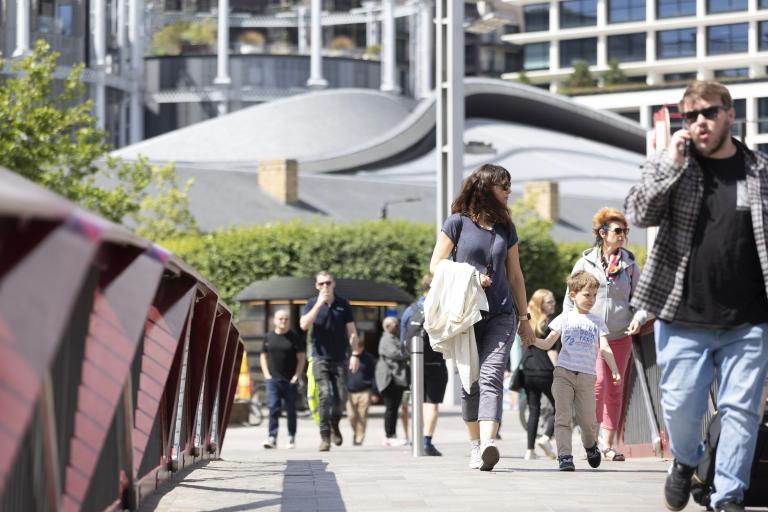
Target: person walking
618 274
282 363
538 367
706 279
360 386
332 323
583 336
435 370
480 232
391 378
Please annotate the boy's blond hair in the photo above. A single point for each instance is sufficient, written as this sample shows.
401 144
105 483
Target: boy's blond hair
581 280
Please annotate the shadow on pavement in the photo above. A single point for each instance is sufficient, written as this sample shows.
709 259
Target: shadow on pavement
307 485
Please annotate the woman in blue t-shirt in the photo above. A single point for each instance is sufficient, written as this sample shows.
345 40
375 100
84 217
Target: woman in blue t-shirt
481 232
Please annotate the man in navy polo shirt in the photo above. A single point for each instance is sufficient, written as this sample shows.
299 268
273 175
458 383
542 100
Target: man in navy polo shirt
333 327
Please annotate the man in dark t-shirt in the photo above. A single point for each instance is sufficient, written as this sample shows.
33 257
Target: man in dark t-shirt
333 327
706 281
282 363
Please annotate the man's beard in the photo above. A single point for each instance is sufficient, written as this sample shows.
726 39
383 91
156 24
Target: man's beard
717 142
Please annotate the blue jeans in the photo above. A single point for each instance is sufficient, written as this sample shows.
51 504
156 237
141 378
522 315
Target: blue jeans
281 391
690 359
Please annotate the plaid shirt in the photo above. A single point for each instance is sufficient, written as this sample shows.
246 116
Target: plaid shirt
670 197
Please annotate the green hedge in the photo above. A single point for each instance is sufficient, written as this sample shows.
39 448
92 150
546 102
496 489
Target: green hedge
395 252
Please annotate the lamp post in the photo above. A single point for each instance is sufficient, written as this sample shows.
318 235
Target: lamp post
399 201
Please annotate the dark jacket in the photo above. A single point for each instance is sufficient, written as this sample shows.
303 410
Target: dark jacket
391 365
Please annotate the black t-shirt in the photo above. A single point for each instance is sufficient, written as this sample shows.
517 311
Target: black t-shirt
364 377
329 332
281 350
536 362
723 282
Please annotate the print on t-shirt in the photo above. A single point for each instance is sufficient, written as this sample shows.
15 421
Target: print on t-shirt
580 336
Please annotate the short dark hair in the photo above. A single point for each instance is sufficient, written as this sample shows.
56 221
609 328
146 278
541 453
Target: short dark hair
324 273
426 282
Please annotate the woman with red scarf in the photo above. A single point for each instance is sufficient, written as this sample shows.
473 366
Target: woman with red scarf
618 274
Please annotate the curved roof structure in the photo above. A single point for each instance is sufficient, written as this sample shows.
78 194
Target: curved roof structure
350 129
299 288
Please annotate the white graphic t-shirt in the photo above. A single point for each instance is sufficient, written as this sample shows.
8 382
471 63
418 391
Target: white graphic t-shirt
580 338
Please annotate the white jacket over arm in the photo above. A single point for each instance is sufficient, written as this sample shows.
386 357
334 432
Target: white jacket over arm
451 308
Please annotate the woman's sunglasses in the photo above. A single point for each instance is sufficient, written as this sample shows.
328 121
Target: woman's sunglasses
618 231
709 113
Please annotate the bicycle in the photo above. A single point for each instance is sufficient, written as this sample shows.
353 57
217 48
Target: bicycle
256 405
547 411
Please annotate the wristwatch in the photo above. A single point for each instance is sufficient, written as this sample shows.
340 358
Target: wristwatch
526 316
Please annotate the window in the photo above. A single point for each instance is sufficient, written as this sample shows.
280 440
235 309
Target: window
620 11
762 115
578 13
763 148
172 5
671 44
739 126
715 6
762 41
763 4
732 73
536 56
634 115
675 8
627 47
727 39
680 77
572 50
536 17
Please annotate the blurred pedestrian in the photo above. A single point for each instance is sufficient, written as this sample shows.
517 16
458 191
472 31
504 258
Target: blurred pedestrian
480 232
333 326
360 385
618 275
707 280
391 378
538 368
282 363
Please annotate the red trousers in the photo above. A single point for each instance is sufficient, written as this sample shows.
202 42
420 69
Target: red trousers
609 396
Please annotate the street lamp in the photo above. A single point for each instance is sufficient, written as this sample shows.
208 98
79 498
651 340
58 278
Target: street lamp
387 203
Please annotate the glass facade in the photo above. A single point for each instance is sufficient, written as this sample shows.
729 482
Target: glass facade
762 115
536 17
536 56
671 44
675 8
727 39
762 37
739 126
620 11
732 73
715 6
680 77
578 13
627 47
572 50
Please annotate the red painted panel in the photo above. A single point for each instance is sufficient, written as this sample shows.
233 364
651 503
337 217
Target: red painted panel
99 381
139 439
87 428
81 455
151 387
145 401
69 504
158 352
15 412
111 337
6 456
76 484
102 308
18 374
94 407
102 357
151 369
157 317
159 335
5 333
144 420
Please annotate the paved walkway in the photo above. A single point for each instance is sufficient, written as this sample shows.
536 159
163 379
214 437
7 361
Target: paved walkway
373 478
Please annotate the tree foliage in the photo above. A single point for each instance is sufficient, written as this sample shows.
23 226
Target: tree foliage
49 136
614 74
581 76
171 39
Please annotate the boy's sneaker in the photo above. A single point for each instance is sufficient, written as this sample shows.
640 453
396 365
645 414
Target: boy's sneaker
474 457
431 451
594 456
566 463
489 454
677 488
291 444
545 443
270 443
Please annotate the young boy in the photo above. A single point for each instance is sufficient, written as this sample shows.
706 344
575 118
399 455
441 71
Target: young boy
575 374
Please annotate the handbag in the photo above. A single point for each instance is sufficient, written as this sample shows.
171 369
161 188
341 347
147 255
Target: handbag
517 382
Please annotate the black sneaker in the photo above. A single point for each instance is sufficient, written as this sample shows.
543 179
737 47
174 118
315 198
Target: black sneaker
594 457
336 436
431 451
677 488
731 506
566 463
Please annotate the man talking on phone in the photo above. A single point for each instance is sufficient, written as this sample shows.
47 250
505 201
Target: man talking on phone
706 280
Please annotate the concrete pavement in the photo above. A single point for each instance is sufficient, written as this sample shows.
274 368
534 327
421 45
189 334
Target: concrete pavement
372 478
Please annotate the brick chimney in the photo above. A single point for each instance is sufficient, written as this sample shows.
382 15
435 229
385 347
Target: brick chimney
280 179
546 198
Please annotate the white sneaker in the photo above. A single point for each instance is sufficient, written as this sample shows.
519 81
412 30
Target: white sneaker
474 456
291 444
545 443
530 455
270 443
489 454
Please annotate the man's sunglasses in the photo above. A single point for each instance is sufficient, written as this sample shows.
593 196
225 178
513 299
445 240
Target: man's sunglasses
709 113
618 231
325 283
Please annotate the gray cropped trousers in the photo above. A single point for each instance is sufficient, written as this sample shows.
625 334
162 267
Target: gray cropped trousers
494 337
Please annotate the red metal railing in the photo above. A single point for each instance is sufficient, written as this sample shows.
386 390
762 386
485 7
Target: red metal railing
118 362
